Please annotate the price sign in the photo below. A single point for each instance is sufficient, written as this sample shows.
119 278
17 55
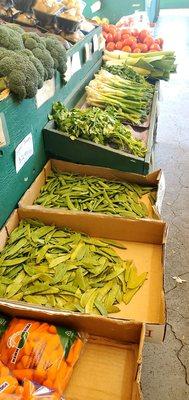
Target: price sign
46 92
23 152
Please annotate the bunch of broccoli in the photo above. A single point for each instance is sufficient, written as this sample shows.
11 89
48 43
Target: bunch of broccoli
27 59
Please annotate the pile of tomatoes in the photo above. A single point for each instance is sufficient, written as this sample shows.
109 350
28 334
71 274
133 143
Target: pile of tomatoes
130 40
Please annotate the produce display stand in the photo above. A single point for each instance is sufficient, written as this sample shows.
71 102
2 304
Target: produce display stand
59 145
52 257
30 116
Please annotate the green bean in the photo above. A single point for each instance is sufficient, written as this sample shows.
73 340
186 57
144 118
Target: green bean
73 272
94 194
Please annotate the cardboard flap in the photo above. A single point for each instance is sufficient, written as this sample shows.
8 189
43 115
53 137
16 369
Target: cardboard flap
107 173
145 231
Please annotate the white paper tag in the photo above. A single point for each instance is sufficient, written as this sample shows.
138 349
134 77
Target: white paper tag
2 134
68 73
96 6
23 152
76 63
95 43
160 193
87 52
46 92
101 42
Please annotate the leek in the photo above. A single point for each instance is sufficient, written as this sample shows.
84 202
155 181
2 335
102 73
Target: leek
157 65
131 99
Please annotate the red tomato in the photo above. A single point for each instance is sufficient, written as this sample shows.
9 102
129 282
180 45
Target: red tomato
137 50
134 39
105 34
148 41
143 34
143 47
125 36
135 32
119 45
110 46
129 41
105 28
109 38
126 31
133 45
112 29
155 47
117 37
127 48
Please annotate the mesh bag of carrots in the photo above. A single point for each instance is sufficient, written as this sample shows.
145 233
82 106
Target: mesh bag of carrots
36 359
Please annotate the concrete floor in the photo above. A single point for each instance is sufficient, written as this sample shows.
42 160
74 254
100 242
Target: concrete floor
166 367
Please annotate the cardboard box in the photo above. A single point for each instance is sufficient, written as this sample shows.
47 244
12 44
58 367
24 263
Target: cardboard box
144 240
155 179
109 368
114 355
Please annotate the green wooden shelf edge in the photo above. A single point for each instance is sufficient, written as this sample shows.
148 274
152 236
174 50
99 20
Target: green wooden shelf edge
24 118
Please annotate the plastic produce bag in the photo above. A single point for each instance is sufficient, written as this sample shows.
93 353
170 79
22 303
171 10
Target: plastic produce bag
39 358
11 390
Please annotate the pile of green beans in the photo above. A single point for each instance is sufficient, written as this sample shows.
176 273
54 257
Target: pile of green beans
94 194
68 270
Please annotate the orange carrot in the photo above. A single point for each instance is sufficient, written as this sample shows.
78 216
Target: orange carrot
8 384
22 374
28 390
52 329
74 352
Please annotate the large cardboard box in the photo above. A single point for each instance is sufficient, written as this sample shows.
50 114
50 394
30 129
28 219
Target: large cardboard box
109 366
145 242
155 179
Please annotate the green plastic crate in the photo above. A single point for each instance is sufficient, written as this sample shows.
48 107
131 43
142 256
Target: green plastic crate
59 145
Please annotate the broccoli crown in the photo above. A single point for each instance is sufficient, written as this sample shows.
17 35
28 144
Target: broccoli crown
46 60
10 39
4 53
15 27
37 64
58 53
33 41
17 84
22 76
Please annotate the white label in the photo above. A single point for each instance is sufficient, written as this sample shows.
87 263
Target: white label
68 73
95 43
87 52
23 152
76 63
96 6
160 193
2 135
101 42
46 92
